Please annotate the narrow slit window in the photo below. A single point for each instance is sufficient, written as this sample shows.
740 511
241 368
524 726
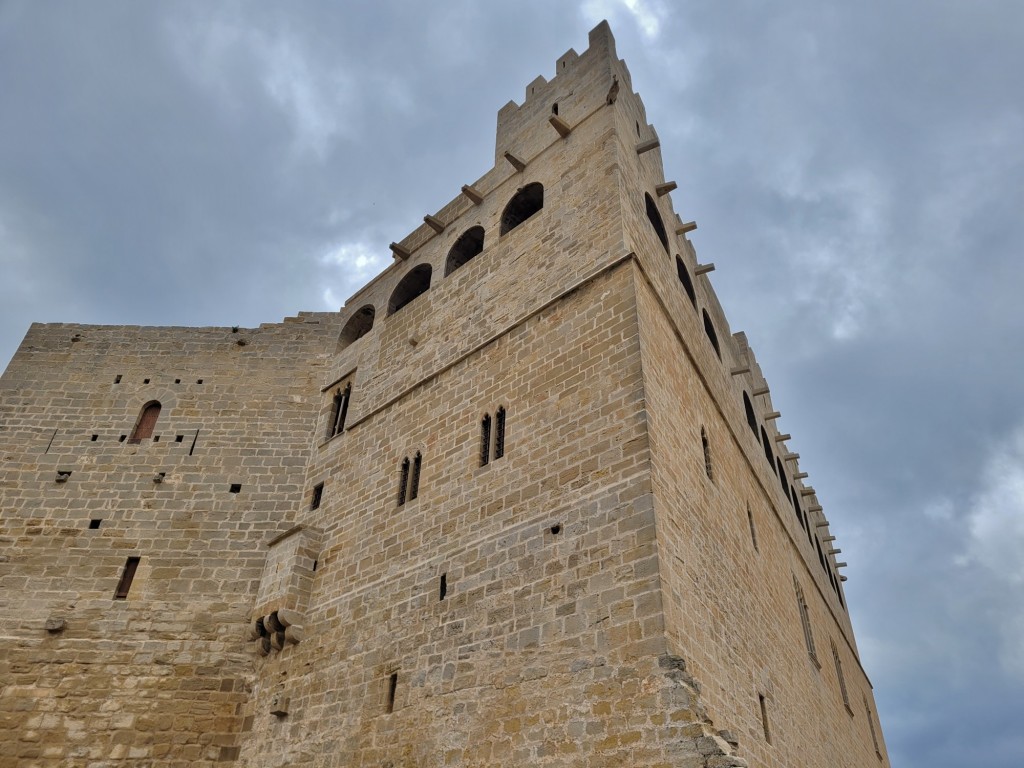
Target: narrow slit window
871 725
768 450
753 530
707 453
318 495
499 433
95 523
127 576
709 329
403 482
684 280
840 678
485 440
443 588
392 690
655 218
764 718
414 482
339 410
748 408
805 621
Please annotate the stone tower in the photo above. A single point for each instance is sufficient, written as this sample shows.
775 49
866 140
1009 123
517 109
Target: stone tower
522 501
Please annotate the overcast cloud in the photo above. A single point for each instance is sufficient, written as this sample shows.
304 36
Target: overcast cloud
857 171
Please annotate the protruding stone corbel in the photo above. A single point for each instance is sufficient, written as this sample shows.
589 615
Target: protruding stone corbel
800 476
740 371
703 269
760 391
434 223
516 163
647 146
815 508
791 457
772 416
827 539
400 253
806 491
473 194
842 577
833 551
663 189
781 438
560 125
840 565
821 524
62 476
689 226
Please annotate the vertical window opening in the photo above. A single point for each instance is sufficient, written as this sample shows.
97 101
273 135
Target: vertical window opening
871 725
782 476
768 450
839 676
392 690
94 524
146 422
318 495
127 576
753 530
805 620
554 107
414 484
499 433
485 440
526 202
748 408
764 718
403 482
655 218
414 284
684 280
469 244
443 590
360 324
339 410
707 452
709 329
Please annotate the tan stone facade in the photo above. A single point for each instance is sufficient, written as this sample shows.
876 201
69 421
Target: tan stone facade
521 518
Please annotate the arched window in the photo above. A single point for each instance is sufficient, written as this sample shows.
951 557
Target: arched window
751 417
709 329
357 326
656 222
469 244
413 284
526 202
768 450
684 279
796 508
782 476
146 423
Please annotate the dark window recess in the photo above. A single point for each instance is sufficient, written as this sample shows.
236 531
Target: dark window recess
748 407
469 244
764 718
199 381
127 576
94 438
526 202
414 284
357 326
805 620
145 381
414 483
840 678
392 690
235 488
117 379
796 508
554 108
556 529
485 440
177 381
94 524
443 589
871 725
179 438
146 422
122 438
768 450
318 495
684 280
753 530
707 453
403 482
315 564
782 476
655 218
339 410
499 433
709 329
156 438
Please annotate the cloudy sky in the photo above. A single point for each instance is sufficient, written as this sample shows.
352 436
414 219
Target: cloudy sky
857 171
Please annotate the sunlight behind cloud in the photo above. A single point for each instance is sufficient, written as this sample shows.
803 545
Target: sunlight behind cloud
647 15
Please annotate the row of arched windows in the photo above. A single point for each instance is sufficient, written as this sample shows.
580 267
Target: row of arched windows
525 203
775 463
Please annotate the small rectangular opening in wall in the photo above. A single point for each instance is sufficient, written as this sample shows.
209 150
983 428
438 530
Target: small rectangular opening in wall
95 523
145 381
199 381
122 438
235 488
156 438
117 379
94 438
764 718
753 530
127 576
443 591
179 438
392 690
318 495
177 381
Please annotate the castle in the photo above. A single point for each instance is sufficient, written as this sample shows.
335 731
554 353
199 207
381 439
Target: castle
522 501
